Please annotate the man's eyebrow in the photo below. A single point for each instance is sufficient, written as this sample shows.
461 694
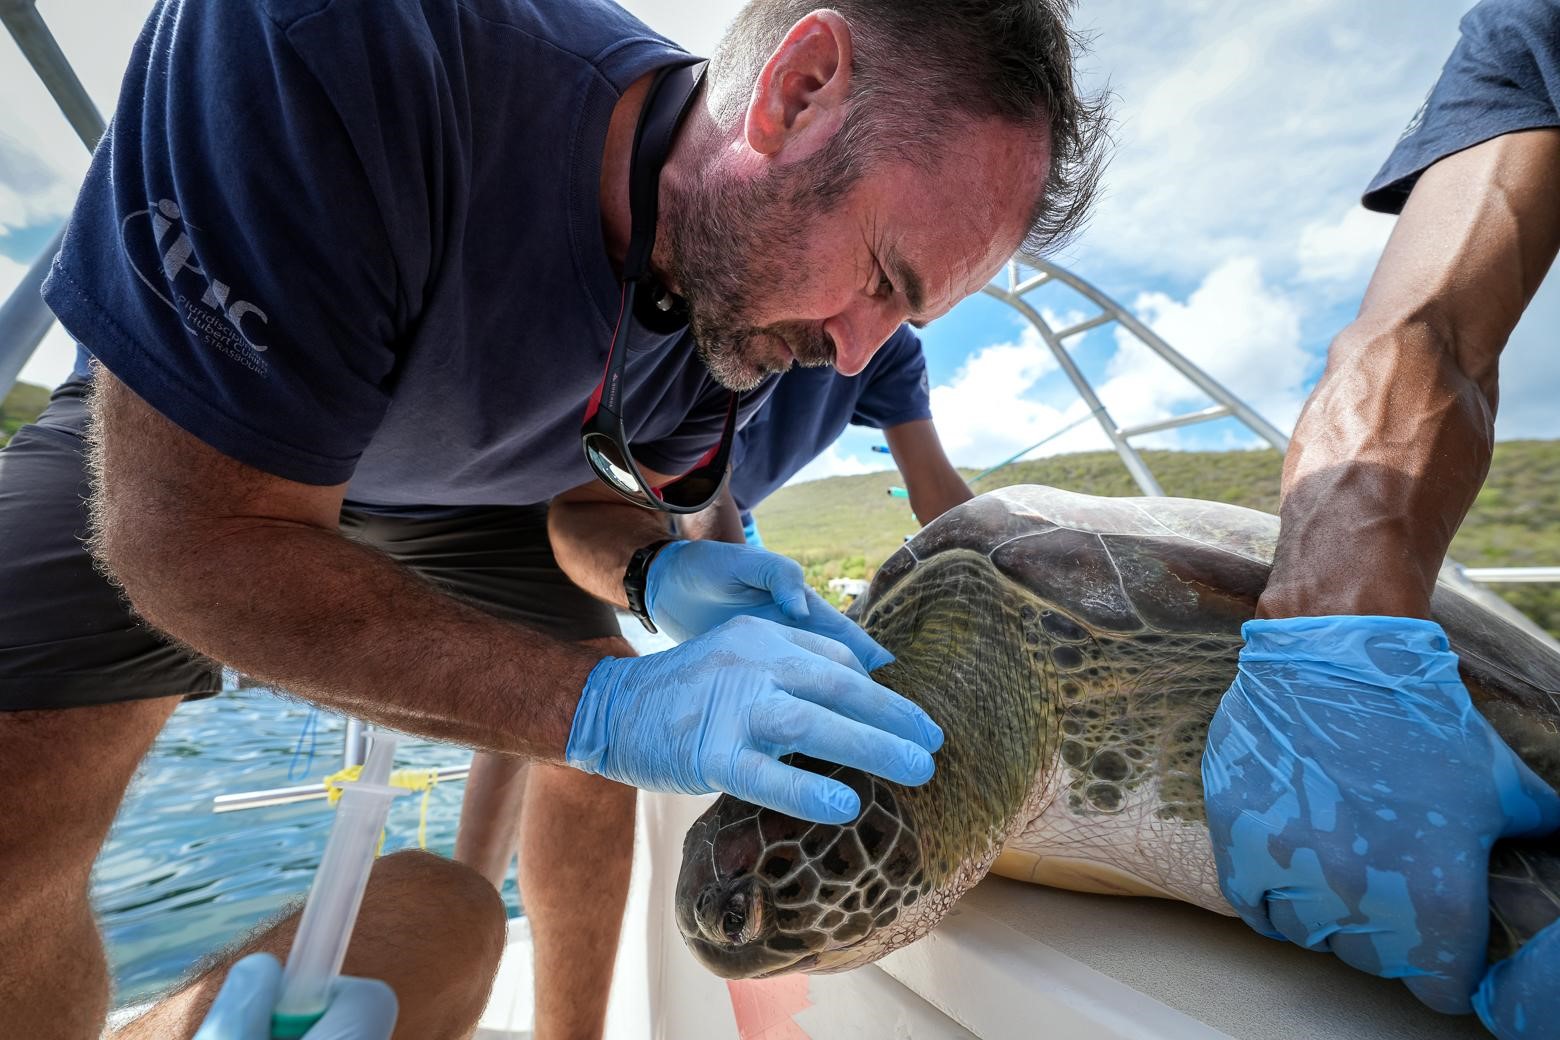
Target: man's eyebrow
909 282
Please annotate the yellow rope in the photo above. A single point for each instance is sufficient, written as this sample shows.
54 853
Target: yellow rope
423 780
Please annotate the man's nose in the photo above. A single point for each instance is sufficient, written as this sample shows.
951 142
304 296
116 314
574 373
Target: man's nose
857 335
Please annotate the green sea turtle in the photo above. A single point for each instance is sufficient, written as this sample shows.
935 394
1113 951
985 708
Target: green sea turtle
1073 650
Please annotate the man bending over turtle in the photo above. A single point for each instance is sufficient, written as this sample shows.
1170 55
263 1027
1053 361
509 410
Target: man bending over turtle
803 416
1352 792
356 283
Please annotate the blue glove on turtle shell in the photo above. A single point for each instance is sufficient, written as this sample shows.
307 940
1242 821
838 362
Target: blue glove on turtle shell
714 714
360 1009
693 587
1353 794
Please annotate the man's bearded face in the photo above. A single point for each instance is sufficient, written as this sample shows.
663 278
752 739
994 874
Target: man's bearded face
734 246
817 261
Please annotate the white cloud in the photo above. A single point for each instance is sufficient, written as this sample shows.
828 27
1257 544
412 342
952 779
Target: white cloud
1246 130
696 24
1242 124
990 408
32 190
53 359
1346 249
1237 329
41 178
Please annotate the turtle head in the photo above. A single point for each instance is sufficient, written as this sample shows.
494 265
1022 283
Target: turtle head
761 893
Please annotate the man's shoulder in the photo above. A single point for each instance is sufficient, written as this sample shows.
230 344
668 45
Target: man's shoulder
1505 31
1501 78
594 32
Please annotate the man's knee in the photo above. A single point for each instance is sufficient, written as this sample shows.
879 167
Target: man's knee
444 902
435 930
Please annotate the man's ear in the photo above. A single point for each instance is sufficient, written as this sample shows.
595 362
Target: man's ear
799 98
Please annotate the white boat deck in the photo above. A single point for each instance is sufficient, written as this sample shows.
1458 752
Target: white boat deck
511 1009
1012 962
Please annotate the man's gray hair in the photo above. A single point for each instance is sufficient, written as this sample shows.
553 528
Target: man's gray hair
920 66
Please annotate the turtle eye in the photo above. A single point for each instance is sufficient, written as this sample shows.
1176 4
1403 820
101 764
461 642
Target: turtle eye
733 918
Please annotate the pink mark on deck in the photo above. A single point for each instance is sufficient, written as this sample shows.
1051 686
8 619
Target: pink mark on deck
765 1009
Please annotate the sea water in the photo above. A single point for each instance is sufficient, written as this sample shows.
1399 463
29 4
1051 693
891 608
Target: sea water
176 882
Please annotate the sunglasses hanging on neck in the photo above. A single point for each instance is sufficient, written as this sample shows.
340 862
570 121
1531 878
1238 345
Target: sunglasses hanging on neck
647 302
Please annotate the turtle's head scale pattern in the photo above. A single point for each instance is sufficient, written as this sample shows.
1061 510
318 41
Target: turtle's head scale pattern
762 893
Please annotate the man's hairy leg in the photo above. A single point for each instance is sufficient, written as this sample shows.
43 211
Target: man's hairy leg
66 772
490 814
576 848
431 928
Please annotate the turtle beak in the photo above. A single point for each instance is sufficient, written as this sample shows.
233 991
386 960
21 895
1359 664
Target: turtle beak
725 926
723 908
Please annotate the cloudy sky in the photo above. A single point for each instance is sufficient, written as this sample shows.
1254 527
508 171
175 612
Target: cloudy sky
1230 220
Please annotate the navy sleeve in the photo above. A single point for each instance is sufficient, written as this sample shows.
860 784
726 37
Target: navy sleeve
1503 76
896 390
684 447
256 228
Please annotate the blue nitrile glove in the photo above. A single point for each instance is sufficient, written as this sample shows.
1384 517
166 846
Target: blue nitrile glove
1519 998
692 587
1353 794
716 712
360 1009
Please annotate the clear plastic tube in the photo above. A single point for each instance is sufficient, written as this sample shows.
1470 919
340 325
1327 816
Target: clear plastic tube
328 916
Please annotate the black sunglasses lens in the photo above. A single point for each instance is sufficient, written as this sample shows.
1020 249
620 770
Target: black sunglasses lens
696 490
604 457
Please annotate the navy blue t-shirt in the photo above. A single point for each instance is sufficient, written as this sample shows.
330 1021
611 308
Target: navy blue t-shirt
1503 76
361 239
810 408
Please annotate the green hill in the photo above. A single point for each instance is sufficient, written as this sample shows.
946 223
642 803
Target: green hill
844 527
21 405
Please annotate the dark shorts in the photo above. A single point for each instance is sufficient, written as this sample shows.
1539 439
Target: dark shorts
68 639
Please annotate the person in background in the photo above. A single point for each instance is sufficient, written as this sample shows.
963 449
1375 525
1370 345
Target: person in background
807 412
1353 792
349 279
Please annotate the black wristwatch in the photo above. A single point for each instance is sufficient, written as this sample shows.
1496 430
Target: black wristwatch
635 577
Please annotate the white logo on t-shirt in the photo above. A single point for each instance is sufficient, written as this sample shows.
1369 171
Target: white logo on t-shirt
219 319
1419 118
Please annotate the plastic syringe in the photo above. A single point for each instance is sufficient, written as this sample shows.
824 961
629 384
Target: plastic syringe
328 916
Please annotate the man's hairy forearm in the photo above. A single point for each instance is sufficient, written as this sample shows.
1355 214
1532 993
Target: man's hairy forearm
1387 458
1396 440
301 606
341 625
